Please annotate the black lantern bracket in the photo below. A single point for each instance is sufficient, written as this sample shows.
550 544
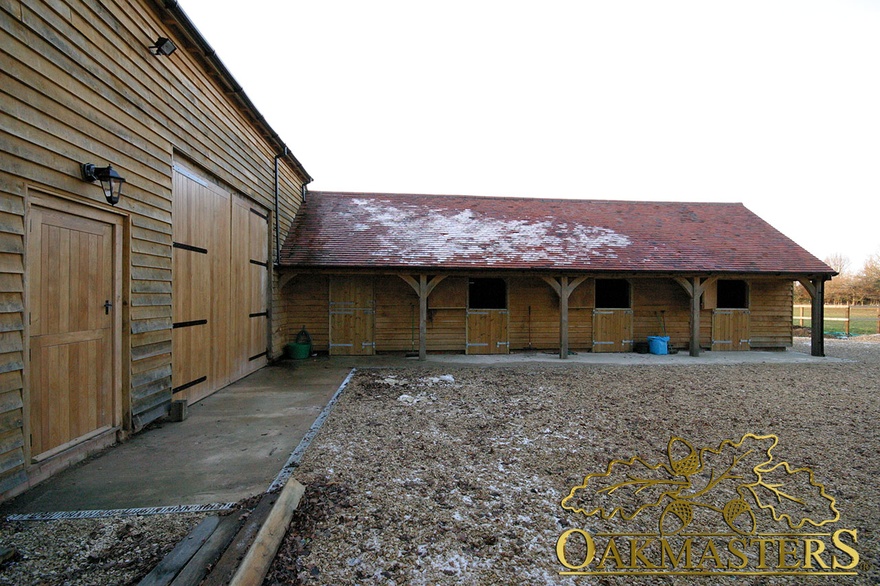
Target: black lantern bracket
111 181
162 46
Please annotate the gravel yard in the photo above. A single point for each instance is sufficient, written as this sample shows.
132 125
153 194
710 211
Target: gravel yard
455 475
98 552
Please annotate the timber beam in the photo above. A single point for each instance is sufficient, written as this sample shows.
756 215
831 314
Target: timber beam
816 288
423 288
695 287
284 279
564 288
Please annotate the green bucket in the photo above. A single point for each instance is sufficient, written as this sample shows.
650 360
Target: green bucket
299 351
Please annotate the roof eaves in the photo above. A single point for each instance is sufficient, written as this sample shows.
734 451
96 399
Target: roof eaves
187 30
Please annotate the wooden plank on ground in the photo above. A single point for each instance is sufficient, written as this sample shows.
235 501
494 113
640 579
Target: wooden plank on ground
255 564
194 572
231 558
174 562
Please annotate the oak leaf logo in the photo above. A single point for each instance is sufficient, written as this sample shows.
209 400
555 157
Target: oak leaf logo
736 480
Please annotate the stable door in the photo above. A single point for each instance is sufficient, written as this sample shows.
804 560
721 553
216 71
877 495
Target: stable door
730 330
352 315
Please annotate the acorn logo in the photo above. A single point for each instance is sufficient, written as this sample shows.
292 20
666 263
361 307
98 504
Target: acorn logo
701 511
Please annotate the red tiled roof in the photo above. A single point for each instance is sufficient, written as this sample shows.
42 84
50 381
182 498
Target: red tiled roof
369 230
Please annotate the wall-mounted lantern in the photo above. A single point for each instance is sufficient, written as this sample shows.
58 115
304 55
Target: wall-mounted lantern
163 46
111 181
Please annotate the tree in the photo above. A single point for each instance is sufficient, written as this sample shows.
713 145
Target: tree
839 262
868 280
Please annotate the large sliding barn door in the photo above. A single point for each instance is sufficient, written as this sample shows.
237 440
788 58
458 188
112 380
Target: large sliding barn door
250 266
487 331
612 330
352 316
74 264
220 283
730 330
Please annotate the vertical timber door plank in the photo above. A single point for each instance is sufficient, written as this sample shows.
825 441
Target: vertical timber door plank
74 265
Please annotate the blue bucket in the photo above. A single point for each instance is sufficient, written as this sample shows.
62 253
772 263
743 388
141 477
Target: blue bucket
658 344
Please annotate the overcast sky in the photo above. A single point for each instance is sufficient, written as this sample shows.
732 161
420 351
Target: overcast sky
775 104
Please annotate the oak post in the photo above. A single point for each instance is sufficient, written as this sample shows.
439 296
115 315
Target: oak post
564 289
563 317
423 288
817 337
423 317
695 316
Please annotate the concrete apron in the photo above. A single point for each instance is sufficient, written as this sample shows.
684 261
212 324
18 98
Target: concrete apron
231 446
234 443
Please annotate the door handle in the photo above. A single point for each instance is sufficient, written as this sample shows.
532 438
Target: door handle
107 307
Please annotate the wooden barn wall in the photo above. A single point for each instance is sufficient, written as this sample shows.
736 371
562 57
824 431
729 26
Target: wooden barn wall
662 301
306 303
447 316
534 314
770 315
580 316
79 85
397 315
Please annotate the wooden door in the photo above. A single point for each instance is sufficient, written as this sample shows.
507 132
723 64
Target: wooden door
250 278
220 286
730 330
352 316
199 287
74 264
612 330
487 331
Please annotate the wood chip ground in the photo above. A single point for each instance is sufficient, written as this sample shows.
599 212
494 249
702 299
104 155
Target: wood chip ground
455 476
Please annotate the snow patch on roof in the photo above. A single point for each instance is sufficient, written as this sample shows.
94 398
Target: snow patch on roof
415 235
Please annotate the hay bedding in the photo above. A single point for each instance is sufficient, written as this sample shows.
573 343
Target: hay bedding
455 476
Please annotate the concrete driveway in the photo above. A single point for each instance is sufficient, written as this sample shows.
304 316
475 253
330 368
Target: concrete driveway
231 446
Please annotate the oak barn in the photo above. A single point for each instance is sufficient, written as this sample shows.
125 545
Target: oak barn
367 273
116 304
110 312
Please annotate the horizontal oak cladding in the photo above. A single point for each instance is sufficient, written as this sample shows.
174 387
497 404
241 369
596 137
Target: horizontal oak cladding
150 312
397 315
145 352
156 361
11 283
771 302
150 299
307 301
10 462
150 261
447 331
659 306
534 315
142 379
11 362
82 87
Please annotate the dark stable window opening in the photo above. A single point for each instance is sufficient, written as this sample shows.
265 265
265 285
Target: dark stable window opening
612 294
487 294
733 294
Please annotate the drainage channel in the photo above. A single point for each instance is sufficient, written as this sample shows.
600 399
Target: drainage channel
297 454
134 512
